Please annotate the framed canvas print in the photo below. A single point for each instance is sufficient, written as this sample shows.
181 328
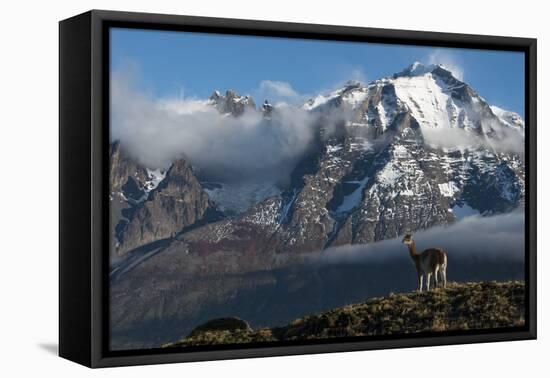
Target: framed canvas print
234 188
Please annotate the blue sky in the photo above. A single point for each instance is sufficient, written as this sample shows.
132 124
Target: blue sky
186 64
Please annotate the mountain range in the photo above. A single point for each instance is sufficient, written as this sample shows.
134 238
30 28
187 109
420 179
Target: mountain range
408 152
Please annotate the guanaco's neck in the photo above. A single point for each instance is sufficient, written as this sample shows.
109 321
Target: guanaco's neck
412 250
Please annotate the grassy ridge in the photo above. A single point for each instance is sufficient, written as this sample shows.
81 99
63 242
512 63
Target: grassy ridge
461 306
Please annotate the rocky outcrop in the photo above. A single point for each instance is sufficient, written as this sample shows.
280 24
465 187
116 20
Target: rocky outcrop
126 175
267 109
128 181
231 324
179 201
231 103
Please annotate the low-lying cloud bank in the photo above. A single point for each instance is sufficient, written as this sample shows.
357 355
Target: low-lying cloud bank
159 131
474 238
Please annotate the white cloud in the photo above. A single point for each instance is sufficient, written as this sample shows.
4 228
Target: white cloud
494 237
345 76
278 89
282 92
503 138
358 74
279 93
248 147
181 106
448 60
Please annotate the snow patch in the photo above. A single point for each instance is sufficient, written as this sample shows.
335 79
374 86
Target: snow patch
355 98
448 189
331 149
425 98
154 179
266 215
400 151
360 145
353 199
389 175
319 100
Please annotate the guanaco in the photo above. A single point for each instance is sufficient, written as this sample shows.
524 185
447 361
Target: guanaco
432 261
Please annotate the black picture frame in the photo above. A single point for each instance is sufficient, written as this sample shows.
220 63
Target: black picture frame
83 195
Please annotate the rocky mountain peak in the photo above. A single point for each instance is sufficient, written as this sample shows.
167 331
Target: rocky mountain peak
267 108
179 168
179 177
416 69
215 95
125 172
230 94
419 69
177 202
231 102
352 84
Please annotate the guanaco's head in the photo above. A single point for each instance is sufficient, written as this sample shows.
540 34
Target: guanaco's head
408 238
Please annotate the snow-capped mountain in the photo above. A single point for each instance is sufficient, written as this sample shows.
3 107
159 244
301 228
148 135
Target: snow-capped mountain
431 94
418 149
407 152
383 172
